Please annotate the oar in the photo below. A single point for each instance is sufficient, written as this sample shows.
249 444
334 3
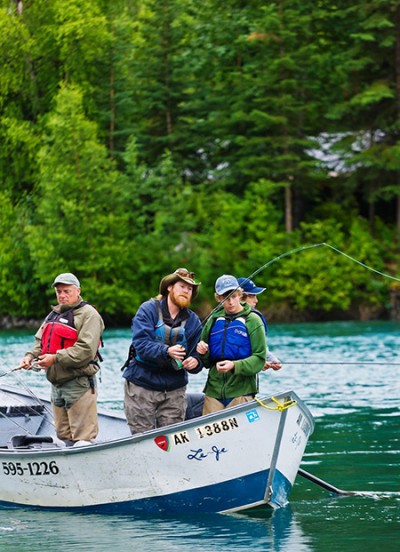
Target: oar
323 483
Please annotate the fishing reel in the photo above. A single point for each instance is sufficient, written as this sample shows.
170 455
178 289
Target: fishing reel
35 366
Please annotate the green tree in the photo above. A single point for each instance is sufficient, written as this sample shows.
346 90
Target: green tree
20 291
18 138
162 222
368 112
81 224
254 101
156 75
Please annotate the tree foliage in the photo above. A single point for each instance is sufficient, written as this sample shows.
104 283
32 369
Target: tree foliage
140 136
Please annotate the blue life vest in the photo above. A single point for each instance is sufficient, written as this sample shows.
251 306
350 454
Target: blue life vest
168 335
229 339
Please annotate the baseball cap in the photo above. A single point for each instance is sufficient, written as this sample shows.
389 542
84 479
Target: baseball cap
226 283
248 286
66 278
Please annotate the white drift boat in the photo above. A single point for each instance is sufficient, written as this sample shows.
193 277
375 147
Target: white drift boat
239 458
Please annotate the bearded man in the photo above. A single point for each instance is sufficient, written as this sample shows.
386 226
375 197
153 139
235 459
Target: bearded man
165 334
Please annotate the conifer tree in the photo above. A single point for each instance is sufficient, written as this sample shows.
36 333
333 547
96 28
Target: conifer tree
81 224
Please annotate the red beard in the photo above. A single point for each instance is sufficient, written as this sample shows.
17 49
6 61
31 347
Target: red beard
181 301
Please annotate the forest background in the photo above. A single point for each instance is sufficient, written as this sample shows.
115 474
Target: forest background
139 136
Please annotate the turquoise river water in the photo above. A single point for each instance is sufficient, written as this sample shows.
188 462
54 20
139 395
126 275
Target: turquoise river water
347 374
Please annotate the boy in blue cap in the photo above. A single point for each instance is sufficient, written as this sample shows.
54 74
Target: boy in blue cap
232 346
250 292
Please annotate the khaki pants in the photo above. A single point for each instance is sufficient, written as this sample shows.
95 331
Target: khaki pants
75 411
214 405
147 409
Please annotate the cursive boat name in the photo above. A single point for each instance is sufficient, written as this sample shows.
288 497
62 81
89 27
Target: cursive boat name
30 468
200 455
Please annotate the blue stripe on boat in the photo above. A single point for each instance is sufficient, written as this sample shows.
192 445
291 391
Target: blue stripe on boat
229 495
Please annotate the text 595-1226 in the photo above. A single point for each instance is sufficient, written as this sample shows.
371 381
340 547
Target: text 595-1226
30 468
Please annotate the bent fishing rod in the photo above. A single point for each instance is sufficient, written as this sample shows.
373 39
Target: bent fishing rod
299 250
341 363
292 252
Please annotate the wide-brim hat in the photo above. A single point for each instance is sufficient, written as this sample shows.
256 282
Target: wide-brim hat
179 274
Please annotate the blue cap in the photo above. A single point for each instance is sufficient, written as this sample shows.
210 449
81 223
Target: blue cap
248 286
226 283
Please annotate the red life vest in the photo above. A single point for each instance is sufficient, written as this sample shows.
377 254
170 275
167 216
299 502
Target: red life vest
59 331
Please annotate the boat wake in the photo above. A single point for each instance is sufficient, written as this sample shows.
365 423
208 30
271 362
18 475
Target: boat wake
378 495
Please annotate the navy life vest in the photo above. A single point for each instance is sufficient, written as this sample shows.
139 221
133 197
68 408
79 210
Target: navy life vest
162 332
229 339
166 334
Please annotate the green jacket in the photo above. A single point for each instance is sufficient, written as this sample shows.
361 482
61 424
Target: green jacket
242 380
77 360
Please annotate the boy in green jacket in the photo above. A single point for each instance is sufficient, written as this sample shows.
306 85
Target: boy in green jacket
233 347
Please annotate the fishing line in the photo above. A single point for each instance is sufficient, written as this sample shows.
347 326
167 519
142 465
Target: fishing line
27 389
323 244
21 408
292 252
368 362
30 407
19 404
10 419
299 250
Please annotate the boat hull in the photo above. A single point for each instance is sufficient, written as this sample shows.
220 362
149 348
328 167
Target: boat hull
238 458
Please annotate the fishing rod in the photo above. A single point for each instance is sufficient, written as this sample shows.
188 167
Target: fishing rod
29 391
292 252
11 371
34 366
369 362
299 250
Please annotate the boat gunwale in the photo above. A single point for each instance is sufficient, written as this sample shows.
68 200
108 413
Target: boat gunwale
151 434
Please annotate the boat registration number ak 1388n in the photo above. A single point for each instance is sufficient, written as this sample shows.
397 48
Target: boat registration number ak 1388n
217 427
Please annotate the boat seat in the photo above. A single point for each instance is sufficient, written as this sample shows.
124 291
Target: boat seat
195 402
27 440
22 410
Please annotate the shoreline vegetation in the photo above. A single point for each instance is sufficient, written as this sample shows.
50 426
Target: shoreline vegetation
239 138
274 315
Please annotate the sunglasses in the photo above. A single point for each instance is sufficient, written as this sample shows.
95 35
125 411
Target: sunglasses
185 273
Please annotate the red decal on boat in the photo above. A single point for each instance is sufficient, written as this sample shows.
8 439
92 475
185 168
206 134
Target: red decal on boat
162 441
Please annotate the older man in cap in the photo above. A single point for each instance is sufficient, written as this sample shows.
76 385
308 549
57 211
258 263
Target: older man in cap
66 347
165 335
